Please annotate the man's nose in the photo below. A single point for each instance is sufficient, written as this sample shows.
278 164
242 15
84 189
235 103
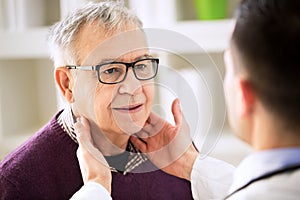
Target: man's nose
131 84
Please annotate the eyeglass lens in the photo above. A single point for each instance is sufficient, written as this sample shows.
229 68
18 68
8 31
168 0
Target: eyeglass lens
116 72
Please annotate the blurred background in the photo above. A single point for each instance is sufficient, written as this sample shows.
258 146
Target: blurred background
28 97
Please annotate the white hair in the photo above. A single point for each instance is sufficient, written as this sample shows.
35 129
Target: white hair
110 16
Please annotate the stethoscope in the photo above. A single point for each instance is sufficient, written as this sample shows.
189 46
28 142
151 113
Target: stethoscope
268 175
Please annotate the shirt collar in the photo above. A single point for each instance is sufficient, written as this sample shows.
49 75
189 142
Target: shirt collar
136 158
262 163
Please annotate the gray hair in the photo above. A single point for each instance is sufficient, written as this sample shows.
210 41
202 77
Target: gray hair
111 16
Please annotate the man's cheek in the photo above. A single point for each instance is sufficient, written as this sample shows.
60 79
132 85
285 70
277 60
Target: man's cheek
150 99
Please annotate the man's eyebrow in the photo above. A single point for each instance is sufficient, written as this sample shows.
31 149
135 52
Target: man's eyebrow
109 60
144 56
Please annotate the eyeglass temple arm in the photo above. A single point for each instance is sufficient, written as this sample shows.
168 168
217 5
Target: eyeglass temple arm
82 67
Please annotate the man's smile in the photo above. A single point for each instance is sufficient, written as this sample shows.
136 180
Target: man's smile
129 109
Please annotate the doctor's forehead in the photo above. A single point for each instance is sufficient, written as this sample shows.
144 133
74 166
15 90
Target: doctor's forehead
226 54
228 59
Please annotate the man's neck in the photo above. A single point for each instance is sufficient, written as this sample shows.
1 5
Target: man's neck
109 143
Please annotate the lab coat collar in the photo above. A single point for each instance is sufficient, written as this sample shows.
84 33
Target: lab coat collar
262 163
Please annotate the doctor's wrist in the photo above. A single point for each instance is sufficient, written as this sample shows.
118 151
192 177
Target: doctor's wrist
188 163
105 183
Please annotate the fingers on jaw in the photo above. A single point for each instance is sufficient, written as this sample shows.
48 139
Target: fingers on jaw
151 131
154 127
143 134
78 129
139 143
154 119
85 122
82 129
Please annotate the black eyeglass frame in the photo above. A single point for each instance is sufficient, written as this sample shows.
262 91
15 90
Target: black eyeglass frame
128 65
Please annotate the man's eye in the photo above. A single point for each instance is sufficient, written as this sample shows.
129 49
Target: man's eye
140 66
111 70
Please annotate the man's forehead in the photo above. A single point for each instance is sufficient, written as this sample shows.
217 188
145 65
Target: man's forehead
98 57
119 46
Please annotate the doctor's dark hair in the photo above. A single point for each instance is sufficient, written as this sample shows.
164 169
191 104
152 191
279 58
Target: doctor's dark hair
267 39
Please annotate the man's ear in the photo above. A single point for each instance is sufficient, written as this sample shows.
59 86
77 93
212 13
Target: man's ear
65 82
246 96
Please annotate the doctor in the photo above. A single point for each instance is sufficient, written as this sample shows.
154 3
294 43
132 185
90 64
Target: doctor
262 88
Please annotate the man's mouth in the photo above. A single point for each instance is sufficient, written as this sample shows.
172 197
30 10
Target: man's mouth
130 109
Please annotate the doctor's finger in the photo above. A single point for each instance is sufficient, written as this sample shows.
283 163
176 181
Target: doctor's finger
156 125
139 144
177 113
82 130
142 134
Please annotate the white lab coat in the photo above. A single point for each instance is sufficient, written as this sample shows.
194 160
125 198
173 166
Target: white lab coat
282 186
270 174
211 178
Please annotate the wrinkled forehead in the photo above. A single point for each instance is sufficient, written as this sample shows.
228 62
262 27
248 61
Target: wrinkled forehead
125 46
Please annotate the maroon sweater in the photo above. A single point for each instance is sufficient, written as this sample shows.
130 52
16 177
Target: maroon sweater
46 167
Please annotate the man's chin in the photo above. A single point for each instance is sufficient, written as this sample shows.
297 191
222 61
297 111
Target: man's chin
130 124
130 127
130 130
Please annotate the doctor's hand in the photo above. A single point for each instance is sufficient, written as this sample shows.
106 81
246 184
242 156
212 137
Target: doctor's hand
93 165
169 147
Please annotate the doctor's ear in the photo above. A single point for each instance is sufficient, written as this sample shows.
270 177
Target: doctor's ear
65 81
247 96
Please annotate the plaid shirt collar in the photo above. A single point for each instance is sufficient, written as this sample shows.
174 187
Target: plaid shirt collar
135 158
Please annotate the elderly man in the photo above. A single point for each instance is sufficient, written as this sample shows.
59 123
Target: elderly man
105 72
262 94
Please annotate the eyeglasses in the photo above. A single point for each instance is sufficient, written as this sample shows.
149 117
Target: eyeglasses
115 72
